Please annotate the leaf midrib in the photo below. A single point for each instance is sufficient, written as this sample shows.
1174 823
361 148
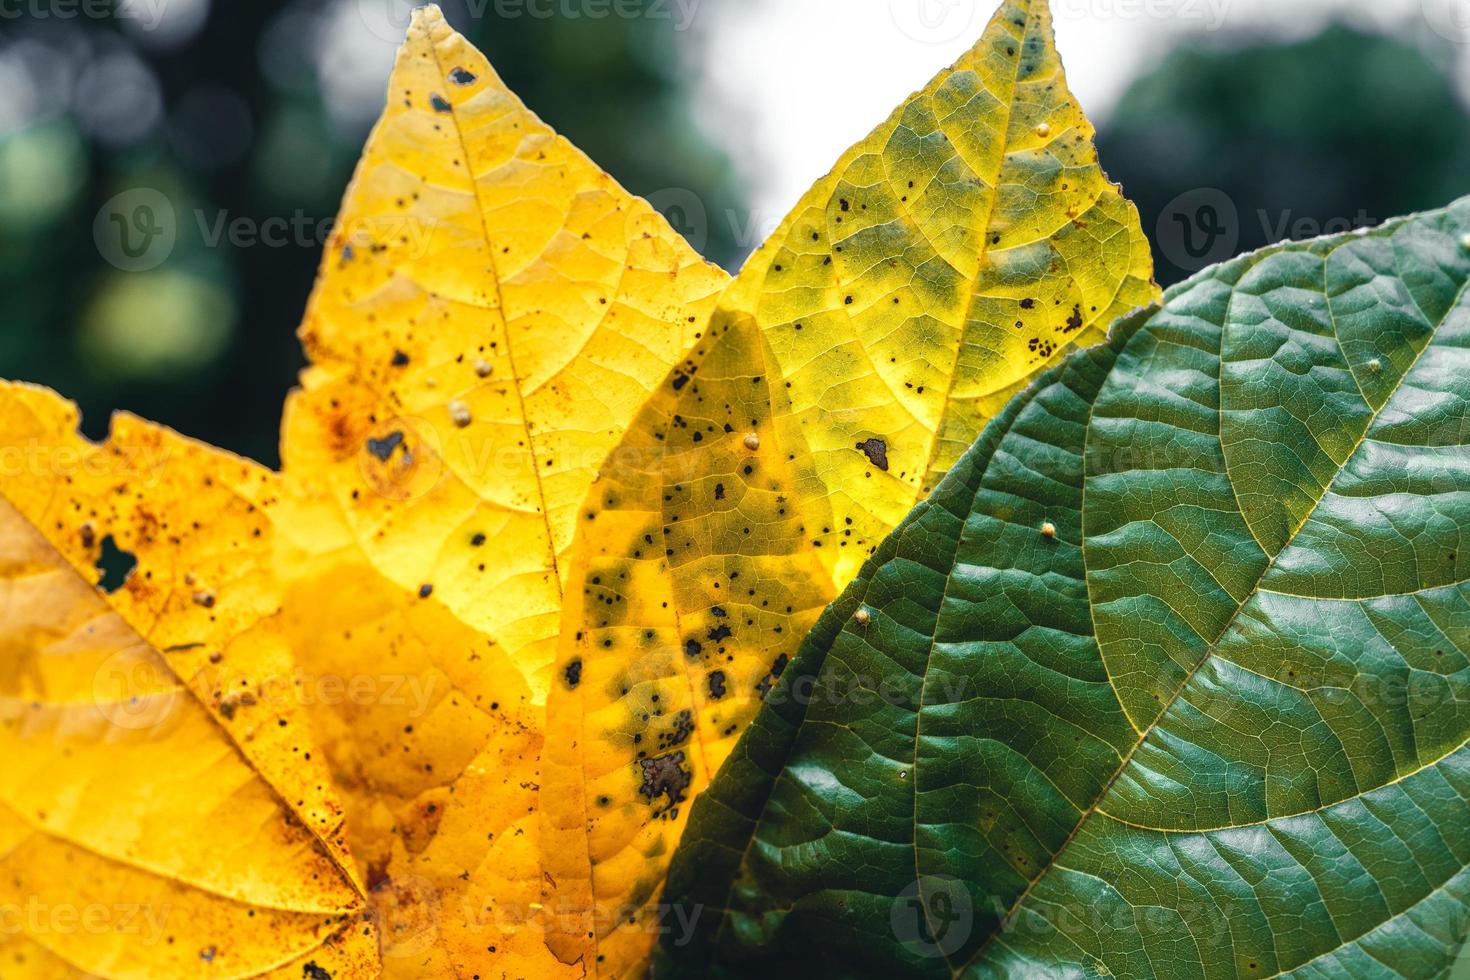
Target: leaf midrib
524 420
1250 594
63 562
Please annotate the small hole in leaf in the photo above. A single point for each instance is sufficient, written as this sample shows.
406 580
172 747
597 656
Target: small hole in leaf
114 566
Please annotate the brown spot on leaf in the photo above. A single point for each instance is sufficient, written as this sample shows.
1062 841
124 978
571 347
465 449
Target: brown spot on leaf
665 776
877 452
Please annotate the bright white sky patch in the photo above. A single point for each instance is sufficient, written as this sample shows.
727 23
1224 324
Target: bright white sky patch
785 86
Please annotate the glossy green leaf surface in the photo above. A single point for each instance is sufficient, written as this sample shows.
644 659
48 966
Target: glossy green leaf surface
1169 677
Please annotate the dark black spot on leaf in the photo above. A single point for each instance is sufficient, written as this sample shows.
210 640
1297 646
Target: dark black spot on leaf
383 448
114 566
665 776
683 727
313 972
400 359
877 452
437 101
425 590
461 77
573 673
693 648
716 684
778 666
680 380
1074 322
718 633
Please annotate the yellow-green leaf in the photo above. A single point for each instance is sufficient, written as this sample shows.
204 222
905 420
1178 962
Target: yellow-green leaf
948 257
161 806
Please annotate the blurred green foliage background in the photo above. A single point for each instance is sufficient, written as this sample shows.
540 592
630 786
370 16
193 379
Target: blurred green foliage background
256 109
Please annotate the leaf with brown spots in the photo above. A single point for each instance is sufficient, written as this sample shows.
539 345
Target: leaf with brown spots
488 319
161 806
489 315
948 257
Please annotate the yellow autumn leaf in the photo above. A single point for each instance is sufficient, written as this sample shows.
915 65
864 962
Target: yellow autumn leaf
948 257
490 315
161 808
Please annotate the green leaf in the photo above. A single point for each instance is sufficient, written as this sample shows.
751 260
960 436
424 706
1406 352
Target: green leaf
1169 677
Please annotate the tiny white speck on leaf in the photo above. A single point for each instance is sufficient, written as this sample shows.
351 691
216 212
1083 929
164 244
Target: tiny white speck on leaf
1043 130
1048 529
483 367
862 617
459 412
752 441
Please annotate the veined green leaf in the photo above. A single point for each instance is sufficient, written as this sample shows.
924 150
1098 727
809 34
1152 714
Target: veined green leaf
1170 676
